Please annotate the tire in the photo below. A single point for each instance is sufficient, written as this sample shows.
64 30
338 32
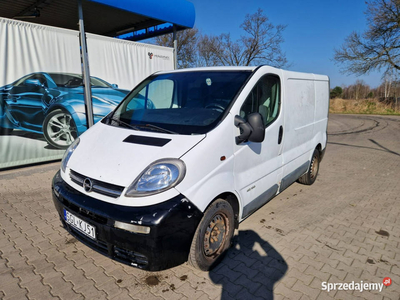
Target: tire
312 172
218 223
59 129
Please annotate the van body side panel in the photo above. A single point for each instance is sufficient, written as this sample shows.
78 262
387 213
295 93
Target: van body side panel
293 176
306 117
260 201
321 109
299 117
208 174
299 124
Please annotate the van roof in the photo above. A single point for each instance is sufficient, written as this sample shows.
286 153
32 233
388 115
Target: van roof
288 74
230 68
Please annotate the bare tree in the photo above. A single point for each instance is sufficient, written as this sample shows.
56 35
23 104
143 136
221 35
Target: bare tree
263 41
379 46
387 81
261 44
187 46
358 90
209 50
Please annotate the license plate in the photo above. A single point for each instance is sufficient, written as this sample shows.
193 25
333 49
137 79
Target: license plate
80 225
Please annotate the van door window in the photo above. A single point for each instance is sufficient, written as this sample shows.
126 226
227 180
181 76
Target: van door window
264 99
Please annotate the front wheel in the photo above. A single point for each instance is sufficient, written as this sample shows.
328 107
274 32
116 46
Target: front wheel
213 235
312 172
59 129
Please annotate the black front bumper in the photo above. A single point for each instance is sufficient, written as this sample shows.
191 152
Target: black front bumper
172 226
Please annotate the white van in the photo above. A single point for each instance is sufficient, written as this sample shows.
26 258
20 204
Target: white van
187 155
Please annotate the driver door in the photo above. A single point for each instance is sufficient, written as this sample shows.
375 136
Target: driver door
258 166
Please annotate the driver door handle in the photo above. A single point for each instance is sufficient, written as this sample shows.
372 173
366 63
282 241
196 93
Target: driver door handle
280 135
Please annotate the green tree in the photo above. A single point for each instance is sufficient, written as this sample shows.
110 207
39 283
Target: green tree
336 92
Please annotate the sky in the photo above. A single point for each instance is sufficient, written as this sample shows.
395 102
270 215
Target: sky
314 29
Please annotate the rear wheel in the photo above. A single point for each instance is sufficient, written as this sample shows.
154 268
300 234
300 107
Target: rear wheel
213 235
312 172
59 129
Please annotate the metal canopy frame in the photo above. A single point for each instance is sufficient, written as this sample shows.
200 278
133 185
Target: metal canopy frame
127 19
85 68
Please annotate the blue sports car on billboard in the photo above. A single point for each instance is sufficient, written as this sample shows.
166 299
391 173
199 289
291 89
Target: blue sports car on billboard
53 104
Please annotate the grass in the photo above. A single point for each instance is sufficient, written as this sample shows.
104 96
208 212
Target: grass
364 106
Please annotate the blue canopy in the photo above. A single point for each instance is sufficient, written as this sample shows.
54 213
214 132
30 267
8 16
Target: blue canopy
178 12
164 15
141 18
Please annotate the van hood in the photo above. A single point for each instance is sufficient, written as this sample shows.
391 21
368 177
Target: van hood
118 155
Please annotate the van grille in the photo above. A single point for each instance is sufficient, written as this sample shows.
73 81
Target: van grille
100 187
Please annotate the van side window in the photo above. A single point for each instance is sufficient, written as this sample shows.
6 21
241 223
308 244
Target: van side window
264 99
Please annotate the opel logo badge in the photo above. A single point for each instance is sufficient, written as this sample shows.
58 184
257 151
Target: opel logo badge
87 185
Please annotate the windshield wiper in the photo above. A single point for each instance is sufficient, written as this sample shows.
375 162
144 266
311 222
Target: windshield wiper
120 122
157 128
137 126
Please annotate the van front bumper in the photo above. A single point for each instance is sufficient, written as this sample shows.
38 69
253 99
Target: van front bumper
172 226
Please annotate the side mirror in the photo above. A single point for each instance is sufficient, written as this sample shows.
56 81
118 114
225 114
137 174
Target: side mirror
245 130
34 82
114 86
253 130
256 122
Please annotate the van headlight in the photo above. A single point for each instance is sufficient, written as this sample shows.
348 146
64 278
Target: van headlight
68 153
158 177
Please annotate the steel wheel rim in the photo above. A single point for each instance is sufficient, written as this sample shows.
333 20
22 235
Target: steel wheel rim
215 235
314 167
61 129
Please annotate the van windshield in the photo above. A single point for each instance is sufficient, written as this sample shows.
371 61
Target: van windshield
183 102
